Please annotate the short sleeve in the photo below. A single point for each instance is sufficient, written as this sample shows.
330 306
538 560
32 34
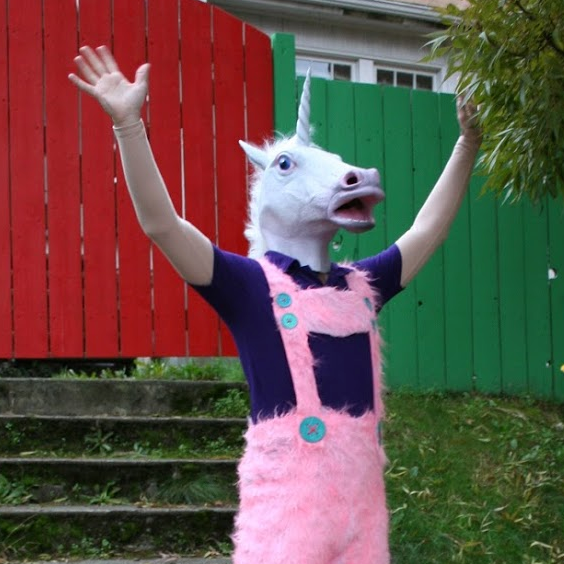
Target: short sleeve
385 272
234 284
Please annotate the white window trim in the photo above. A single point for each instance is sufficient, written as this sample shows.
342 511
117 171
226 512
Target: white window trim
336 60
364 70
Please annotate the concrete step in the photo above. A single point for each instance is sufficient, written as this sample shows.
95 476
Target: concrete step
117 468
136 480
35 530
49 396
68 435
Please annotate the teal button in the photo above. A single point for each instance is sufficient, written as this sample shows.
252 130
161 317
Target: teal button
368 303
375 324
312 429
284 300
289 321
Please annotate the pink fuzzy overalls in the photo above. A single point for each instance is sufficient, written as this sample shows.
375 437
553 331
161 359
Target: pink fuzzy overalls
312 480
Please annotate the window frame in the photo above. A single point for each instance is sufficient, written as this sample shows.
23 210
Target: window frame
365 70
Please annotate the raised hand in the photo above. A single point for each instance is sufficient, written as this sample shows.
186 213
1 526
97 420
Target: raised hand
467 114
103 80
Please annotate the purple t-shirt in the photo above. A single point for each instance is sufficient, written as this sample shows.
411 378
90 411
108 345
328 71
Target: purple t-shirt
239 293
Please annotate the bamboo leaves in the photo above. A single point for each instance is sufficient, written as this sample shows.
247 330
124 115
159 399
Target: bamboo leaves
509 55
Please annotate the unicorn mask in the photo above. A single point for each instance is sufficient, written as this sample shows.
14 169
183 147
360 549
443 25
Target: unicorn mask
301 195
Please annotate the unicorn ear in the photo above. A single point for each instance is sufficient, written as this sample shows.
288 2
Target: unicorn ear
257 156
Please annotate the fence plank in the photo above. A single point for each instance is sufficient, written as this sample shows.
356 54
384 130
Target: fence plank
134 274
25 81
398 178
259 88
369 128
66 323
284 69
537 301
5 230
165 121
429 284
199 165
230 127
340 124
556 261
512 299
457 272
369 131
319 109
98 199
485 289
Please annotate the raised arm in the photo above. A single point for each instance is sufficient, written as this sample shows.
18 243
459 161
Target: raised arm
432 224
187 249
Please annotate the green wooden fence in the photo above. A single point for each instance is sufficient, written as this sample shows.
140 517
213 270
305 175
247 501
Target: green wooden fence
483 314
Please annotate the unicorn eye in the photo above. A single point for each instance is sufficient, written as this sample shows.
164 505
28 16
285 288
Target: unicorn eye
284 163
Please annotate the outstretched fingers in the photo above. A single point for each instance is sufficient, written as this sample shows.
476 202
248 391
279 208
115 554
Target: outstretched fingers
92 65
93 60
81 84
107 59
86 71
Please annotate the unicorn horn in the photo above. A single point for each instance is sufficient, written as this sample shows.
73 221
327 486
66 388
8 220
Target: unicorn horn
302 127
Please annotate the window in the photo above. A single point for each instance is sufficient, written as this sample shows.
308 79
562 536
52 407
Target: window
365 70
405 78
331 70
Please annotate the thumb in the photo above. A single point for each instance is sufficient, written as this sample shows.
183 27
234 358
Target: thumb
142 75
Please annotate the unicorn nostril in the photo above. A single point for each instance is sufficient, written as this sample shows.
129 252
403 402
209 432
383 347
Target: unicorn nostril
351 179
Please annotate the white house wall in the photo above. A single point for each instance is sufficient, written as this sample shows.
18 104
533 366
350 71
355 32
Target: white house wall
359 40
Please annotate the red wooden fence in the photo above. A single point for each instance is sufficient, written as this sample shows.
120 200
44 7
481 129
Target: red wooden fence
77 276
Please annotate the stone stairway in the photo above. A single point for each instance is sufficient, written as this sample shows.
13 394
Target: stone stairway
98 469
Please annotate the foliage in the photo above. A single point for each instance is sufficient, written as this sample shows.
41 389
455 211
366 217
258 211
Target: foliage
234 404
225 370
510 56
213 369
105 495
99 442
13 493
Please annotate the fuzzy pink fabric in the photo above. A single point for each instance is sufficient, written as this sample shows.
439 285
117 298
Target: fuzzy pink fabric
324 502
312 503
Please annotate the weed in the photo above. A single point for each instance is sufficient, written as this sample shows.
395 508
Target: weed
91 548
219 448
13 493
105 495
99 442
219 548
234 404
14 437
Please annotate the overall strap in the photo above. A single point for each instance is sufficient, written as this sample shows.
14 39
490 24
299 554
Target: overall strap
358 282
290 316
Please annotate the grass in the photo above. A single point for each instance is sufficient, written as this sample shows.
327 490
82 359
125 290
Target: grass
475 480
